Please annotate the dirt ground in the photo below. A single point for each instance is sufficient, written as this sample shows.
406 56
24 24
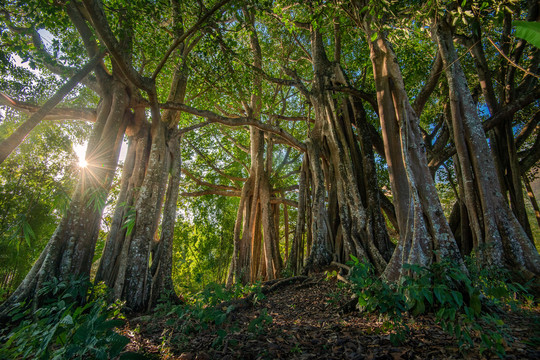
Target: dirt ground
308 321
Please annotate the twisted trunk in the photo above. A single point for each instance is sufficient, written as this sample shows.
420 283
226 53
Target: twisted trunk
424 233
352 224
70 250
499 239
255 209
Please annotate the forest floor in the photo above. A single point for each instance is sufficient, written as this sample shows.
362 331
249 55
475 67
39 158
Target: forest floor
308 321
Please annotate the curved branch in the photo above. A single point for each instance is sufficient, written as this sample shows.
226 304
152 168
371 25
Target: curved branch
284 201
236 143
531 158
290 118
370 98
193 127
8 145
507 111
103 30
231 154
215 168
212 192
433 79
240 121
205 183
527 130
85 114
49 62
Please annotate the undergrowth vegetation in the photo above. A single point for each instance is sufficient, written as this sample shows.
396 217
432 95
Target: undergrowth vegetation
465 306
69 323
75 320
208 310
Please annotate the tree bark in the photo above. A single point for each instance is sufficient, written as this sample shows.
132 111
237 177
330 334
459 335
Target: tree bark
256 195
424 233
353 223
70 250
499 239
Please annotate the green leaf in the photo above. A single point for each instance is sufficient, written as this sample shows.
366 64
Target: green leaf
428 295
458 298
67 320
420 308
374 37
438 294
28 232
129 222
475 304
529 31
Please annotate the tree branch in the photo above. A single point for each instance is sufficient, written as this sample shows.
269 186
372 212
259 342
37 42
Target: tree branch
231 154
370 98
433 79
509 110
280 200
205 183
240 121
18 136
215 168
212 192
85 114
49 62
103 30
527 130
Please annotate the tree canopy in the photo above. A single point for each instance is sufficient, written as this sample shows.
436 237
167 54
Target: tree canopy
263 139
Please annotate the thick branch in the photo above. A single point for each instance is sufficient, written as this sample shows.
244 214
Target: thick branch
212 192
433 79
527 130
290 118
205 183
240 121
18 136
103 30
502 114
531 158
370 98
507 111
286 188
285 201
49 61
85 114
193 127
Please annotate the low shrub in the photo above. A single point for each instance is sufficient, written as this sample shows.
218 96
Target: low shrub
61 328
461 303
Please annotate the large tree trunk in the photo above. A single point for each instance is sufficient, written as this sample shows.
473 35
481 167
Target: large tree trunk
424 233
161 269
295 261
137 285
255 209
136 264
502 138
71 248
113 260
353 223
499 239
